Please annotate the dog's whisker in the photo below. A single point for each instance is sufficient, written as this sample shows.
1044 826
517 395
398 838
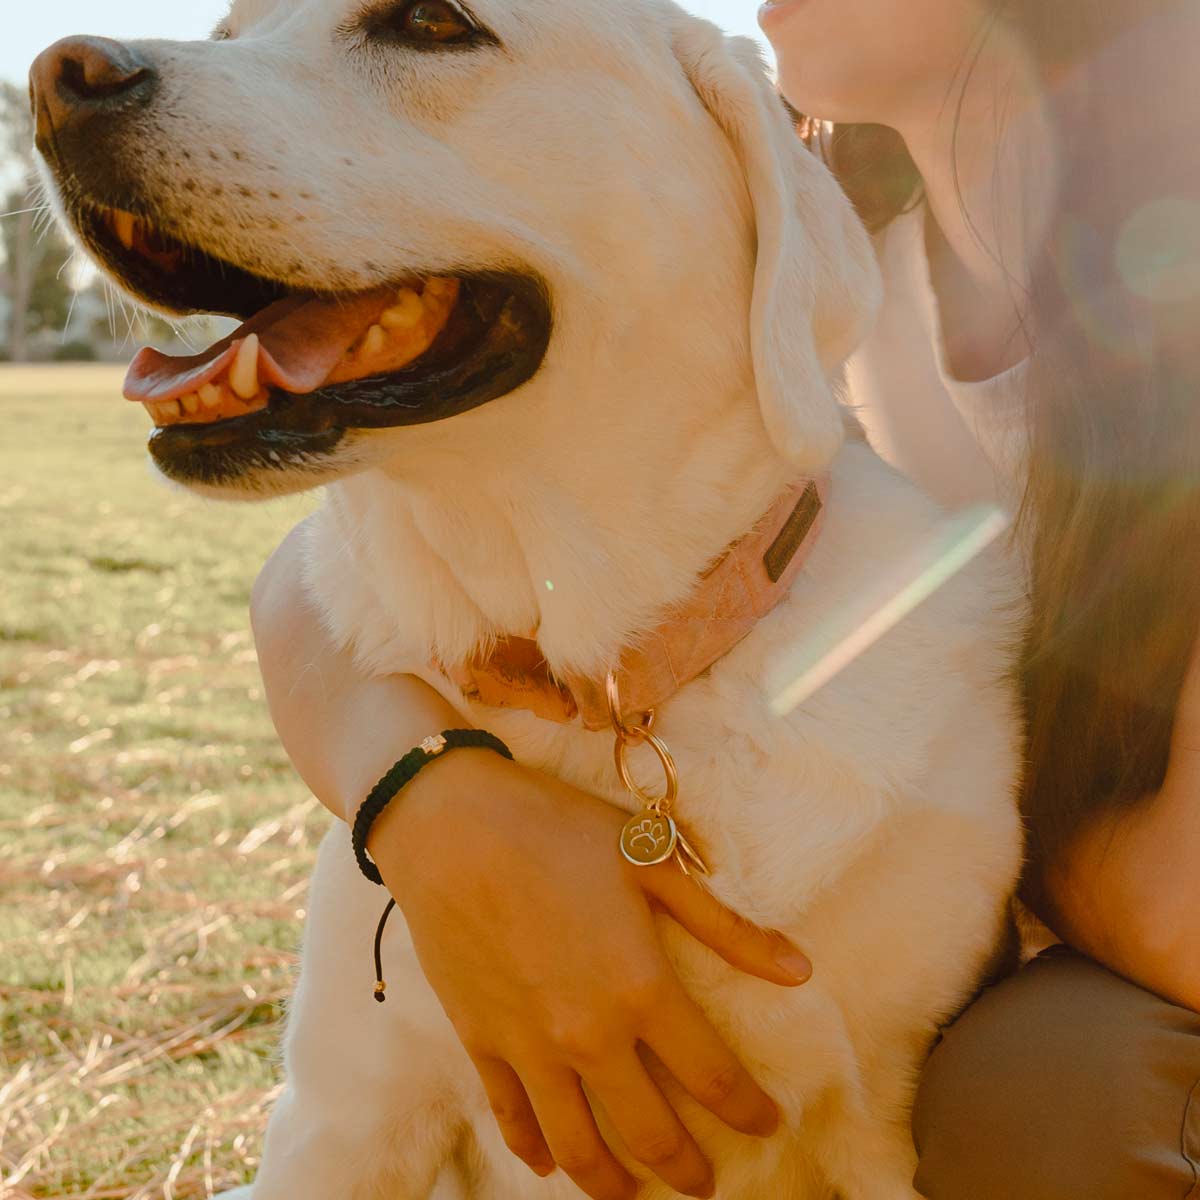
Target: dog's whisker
951 547
110 310
131 315
22 212
70 314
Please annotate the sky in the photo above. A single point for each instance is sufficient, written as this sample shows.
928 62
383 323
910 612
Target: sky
31 25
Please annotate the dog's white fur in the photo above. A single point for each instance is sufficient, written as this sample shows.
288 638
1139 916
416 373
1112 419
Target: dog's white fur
708 278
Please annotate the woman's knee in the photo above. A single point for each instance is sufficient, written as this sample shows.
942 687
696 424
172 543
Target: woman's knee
1063 1082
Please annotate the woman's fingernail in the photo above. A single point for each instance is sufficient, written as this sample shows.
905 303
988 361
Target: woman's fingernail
767 1124
795 963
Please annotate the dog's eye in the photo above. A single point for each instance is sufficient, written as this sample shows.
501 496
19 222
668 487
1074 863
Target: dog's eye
435 21
427 23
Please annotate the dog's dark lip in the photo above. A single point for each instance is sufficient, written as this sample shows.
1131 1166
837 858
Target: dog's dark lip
495 341
210 284
216 285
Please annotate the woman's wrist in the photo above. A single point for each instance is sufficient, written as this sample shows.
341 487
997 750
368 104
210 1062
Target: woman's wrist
417 819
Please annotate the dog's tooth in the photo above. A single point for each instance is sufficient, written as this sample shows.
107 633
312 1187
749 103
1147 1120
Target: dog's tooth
243 375
375 342
123 225
172 410
210 395
406 313
438 288
191 403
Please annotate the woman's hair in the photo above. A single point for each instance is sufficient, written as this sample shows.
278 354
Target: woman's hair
1111 509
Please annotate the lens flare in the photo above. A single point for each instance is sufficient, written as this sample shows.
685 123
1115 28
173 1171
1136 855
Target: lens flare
951 546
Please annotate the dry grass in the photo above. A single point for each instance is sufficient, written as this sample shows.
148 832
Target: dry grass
154 843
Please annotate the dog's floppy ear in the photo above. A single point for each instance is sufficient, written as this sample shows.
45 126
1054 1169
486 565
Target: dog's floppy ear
816 283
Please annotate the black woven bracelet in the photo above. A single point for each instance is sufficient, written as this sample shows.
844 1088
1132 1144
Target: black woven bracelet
385 791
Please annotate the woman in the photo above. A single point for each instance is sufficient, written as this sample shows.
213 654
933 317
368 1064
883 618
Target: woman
1027 166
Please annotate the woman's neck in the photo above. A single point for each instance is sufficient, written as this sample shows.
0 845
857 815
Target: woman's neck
983 150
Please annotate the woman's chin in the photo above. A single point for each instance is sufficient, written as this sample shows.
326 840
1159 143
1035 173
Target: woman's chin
774 13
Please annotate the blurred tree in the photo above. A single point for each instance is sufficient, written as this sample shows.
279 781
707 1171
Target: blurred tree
38 292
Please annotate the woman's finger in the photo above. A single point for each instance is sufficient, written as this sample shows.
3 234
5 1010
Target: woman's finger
649 1126
514 1114
569 1126
743 945
684 1041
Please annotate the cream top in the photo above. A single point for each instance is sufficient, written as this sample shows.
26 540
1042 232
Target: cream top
959 442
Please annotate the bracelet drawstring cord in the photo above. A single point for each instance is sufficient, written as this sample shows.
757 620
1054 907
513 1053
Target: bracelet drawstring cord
380 986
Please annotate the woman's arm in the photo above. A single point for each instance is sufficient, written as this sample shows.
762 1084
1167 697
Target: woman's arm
1128 891
341 730
539 940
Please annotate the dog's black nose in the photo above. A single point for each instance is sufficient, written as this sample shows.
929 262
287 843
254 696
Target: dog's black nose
81 78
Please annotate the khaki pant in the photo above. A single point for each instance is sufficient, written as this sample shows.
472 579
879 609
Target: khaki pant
1063 1082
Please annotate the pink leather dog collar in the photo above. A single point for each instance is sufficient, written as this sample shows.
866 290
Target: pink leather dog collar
730 598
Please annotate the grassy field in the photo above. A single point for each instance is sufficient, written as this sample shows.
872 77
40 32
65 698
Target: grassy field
154 843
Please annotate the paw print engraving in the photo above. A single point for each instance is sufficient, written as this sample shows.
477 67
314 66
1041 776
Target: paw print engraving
650 834
649 838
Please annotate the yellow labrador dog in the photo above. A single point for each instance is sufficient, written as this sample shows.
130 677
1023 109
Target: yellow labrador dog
553 301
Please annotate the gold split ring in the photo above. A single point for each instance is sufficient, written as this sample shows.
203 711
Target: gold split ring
661 803
651 836
633 733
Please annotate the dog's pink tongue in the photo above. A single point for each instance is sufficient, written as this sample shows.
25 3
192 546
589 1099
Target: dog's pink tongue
301 340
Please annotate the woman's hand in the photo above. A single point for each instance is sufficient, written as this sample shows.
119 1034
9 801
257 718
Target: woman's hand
537 937
539 940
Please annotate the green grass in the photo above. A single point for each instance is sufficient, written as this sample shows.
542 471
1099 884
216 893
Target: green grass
154 843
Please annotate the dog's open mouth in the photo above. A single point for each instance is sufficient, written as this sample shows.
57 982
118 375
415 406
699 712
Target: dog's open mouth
307 366
296 345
